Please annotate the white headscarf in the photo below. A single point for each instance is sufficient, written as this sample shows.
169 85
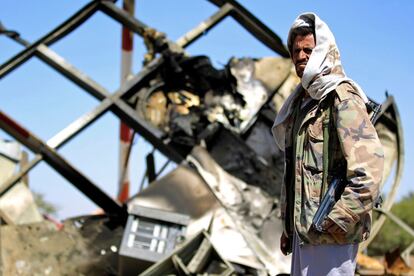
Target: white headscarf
322 74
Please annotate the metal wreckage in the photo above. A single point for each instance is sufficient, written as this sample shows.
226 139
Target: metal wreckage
217 212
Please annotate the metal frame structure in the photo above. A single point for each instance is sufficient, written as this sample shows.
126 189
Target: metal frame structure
115 102
390 117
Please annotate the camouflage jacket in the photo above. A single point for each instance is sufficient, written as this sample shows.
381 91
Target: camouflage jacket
354 139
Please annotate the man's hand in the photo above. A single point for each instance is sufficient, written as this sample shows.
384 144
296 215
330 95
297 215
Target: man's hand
285 244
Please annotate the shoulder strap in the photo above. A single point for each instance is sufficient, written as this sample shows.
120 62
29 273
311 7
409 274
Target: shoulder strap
327 121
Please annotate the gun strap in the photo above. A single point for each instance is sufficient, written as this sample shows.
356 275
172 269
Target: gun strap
326 154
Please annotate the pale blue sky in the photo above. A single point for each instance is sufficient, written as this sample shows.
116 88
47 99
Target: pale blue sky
374 38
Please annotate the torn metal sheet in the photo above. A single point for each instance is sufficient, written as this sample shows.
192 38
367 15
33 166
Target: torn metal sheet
229 241
231 96
285 90
259 165
182 191
253 90
185 191
249 208
17 205
10 150
272 72
10 154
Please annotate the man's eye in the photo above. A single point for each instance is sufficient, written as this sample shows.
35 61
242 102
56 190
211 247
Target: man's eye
308 50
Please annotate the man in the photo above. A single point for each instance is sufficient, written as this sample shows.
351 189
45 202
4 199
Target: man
326 101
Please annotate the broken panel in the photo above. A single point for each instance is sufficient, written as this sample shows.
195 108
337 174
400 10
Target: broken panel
150 235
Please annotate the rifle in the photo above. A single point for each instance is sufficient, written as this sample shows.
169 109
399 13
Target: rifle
338 184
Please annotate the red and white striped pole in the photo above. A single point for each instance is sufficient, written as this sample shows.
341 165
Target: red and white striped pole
125 132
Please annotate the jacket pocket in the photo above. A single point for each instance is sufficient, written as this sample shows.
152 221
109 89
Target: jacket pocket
313 160
313 147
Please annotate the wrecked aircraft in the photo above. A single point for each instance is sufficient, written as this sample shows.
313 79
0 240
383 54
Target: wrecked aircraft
217 212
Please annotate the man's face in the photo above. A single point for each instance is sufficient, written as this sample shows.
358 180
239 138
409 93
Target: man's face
301 50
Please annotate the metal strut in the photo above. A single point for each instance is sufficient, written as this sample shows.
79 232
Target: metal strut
256 27
61 165
56 34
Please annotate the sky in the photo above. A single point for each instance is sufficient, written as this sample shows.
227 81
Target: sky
373 37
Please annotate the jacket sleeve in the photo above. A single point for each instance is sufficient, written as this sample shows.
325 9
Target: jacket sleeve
364 156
